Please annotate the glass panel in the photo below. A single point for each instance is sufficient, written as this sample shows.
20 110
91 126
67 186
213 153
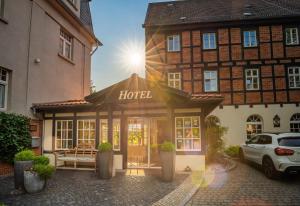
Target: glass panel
196 132
179 133
180 144
195 121
179 122
80 124
86 124
188 144
2 96
188 133
196 144
187 122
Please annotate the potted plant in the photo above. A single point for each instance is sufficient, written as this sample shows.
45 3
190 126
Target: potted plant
167 158
35 178
105 160
22 161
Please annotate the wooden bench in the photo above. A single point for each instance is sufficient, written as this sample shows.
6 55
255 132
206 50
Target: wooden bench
80 154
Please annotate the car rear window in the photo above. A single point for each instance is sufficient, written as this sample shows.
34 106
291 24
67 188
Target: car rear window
289 141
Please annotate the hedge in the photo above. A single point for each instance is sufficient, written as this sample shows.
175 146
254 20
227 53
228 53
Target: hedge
14 135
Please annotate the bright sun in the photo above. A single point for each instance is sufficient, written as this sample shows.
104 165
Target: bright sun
133 56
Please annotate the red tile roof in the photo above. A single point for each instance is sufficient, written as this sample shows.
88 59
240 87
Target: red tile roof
62 103
201 97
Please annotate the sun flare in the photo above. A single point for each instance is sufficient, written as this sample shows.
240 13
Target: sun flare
133 56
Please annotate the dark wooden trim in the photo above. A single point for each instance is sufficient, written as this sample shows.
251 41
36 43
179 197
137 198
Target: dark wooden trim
97 129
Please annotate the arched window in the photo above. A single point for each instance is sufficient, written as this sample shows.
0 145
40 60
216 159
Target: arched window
212 121
254 125
295 123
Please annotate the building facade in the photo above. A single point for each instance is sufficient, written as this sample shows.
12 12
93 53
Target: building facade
45 52
247 51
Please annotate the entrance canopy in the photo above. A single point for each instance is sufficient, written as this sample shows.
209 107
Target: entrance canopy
135 93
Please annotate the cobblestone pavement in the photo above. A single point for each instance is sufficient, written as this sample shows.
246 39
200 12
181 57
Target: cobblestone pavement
83 188
247 185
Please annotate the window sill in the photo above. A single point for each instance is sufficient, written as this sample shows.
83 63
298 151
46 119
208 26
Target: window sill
251 47
292 45
174 51
66 59
3 20
212 49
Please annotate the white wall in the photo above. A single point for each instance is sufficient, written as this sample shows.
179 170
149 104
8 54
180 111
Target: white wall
235 119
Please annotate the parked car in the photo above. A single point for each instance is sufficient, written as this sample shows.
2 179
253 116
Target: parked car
275 152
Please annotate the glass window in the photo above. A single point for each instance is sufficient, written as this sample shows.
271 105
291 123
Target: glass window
3 88
252 79
103 130
265 139
289 141
173 43
295 123
65 45
64 134
116 134
86 133
294 77
254 126
250 39
210 81
209 41
174 80
291 36
188 134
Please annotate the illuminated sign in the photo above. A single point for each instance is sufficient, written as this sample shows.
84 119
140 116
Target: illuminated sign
128 95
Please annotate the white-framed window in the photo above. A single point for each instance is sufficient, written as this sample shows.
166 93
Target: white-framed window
295 123
3 89
291 36
64 134
254 126
173 43
209 41
65 45
210 81
294 77
250 39
252 79
188 135
174 80
86 133
116 134
1 8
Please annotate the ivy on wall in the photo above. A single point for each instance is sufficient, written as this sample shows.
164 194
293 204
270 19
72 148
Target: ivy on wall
14 135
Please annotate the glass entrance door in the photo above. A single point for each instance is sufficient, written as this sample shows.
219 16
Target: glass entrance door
138 143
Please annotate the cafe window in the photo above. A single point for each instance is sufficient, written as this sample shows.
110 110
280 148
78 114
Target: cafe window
188 136
86 130
116 133
291 36
3 89
64 134
174 80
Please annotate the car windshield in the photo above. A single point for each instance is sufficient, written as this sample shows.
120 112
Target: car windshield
289 141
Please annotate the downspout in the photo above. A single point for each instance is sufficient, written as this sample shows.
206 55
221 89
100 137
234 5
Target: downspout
28 56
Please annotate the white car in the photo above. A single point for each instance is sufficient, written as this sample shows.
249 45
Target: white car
275 152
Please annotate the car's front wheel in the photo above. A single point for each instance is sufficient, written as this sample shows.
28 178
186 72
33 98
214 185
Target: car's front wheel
269 168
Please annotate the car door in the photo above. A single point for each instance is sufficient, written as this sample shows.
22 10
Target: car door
259 149
249 148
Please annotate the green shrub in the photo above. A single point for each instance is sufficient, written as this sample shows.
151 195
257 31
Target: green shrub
232 151
14 135
44 171
167 146
43 160
105 147
25 155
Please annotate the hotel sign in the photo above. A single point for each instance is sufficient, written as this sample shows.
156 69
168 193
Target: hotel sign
129 95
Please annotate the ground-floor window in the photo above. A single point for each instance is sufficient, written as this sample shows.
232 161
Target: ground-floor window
116 134
188 133
64 134
295 123
86 133
3 87
254 125
103 130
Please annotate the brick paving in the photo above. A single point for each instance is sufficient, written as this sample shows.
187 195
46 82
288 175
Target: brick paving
247 185
83 188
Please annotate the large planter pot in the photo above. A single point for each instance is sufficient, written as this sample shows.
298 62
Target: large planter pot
105 164
33 183
19 168
167 165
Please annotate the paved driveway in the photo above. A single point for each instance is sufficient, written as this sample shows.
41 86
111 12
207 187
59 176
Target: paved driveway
246 185
83 188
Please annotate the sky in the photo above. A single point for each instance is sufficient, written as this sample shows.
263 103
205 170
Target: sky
118 25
